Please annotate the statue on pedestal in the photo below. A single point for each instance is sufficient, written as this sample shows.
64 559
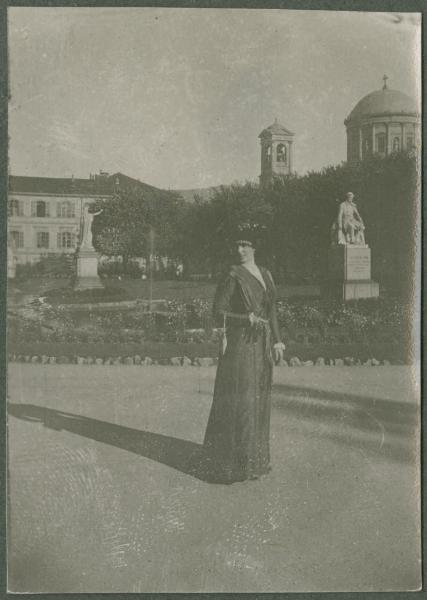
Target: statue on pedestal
348 229
86 229
87 257
349 258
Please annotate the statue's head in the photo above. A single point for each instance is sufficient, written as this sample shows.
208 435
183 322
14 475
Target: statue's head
349 196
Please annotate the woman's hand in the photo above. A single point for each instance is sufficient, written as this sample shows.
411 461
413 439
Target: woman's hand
255 321
279 348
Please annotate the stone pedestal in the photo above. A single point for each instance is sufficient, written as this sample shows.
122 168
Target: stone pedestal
349 276
87 270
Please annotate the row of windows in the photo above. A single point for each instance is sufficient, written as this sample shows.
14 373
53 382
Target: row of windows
41 208
381 143
64 239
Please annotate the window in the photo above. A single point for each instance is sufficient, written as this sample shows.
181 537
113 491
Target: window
17 238
42 239
281 153
396 144
410 142
380 140
39 208
16 208
66 239
65 209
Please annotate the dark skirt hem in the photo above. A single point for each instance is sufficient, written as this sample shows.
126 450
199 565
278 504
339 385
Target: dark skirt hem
224 474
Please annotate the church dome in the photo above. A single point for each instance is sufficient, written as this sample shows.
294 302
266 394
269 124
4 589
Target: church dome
383 102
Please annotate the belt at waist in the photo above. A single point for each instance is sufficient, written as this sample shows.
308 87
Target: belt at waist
261 324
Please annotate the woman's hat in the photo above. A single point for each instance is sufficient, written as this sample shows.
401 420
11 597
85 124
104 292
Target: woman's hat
249 234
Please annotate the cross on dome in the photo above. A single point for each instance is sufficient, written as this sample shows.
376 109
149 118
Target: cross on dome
385 82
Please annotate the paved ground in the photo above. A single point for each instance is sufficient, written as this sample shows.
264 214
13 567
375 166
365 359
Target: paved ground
101 500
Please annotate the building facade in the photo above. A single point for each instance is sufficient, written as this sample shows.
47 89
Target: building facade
44 214
276 153
383 122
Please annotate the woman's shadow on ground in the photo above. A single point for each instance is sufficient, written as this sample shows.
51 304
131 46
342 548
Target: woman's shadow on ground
182 455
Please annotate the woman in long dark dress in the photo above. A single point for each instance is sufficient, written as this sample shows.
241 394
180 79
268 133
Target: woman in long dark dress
238 430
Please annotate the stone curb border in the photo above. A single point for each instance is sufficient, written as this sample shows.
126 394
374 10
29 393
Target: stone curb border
185 361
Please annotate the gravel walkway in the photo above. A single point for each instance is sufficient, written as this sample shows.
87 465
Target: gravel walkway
101 498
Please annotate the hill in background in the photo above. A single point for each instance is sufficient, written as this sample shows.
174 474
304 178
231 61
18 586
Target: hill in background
204 193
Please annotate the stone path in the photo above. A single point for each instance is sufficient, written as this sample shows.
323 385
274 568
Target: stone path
101 501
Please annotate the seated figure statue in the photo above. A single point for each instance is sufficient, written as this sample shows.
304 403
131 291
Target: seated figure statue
348 229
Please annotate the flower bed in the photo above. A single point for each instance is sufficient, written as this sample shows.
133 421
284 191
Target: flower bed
306 323
70 296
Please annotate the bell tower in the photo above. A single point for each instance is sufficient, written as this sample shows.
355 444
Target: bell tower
276 153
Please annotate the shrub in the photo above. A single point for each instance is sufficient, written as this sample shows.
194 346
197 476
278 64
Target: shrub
177 318
110 268
367 321
49 265
286 315
310 316
70 296
200 313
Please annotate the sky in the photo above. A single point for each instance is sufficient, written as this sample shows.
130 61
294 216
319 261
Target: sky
178 97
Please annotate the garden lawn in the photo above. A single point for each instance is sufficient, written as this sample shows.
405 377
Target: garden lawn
101 499
162 290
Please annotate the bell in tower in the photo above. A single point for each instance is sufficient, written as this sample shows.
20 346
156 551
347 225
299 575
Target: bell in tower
276 153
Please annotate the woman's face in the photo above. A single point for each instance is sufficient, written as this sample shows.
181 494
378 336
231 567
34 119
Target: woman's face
245 252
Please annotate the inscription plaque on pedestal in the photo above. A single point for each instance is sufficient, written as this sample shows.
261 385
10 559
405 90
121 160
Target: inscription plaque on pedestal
350 273
357 263
350 262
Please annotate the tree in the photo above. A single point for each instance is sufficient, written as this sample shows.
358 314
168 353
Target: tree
298 212
211 225
131 217
386 194
121 229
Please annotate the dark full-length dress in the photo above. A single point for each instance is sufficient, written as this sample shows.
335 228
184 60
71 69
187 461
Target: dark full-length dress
238 430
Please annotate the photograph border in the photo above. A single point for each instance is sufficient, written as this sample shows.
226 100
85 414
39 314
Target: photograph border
406 6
